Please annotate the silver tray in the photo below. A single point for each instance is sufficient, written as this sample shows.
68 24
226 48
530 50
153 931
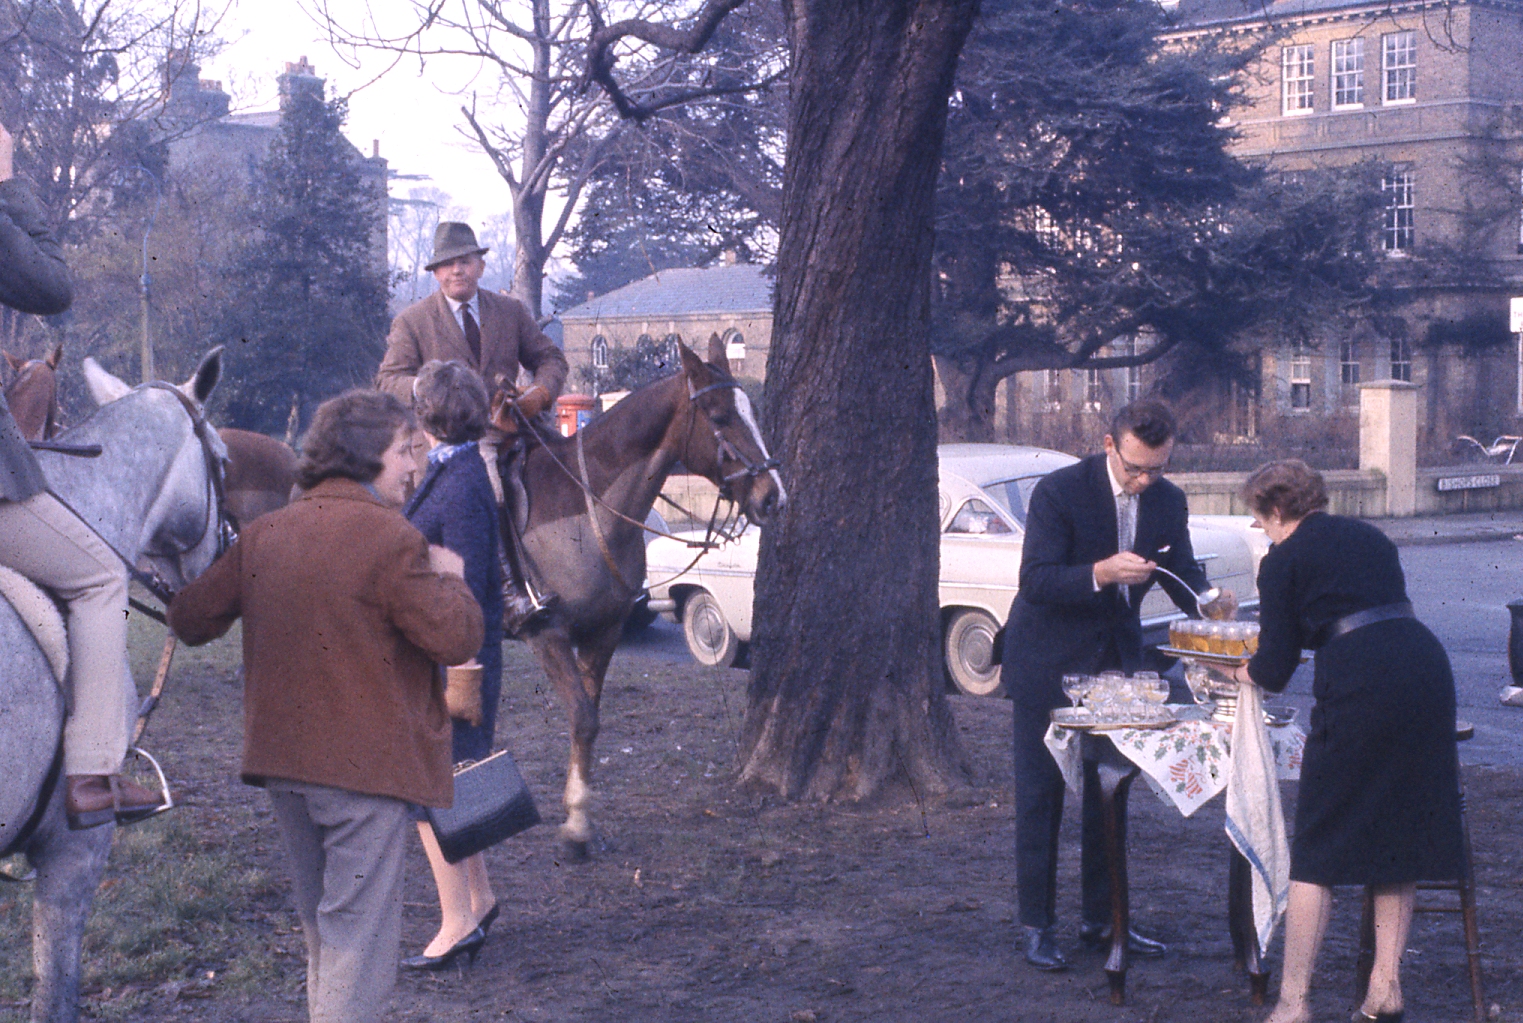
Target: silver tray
1082 720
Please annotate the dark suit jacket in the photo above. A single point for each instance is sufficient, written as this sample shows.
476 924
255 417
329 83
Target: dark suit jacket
509 338
1058 623
33 279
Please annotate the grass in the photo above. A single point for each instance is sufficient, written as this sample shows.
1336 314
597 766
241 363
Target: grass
171 916
181 912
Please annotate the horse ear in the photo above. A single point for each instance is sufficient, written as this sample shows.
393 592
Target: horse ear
204 380
15 362
54 356
693 365
104 387
717 357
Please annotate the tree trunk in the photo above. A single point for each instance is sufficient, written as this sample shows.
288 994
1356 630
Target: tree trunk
847 689
968 415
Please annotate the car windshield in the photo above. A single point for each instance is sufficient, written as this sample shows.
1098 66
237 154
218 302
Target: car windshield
1012 495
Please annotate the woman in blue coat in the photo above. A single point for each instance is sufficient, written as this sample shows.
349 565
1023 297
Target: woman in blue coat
454 507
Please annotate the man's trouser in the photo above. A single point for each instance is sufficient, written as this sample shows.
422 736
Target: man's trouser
345 854
45 542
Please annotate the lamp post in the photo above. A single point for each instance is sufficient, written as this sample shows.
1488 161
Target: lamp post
144 282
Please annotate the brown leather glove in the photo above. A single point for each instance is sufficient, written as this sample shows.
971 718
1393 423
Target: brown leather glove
533 401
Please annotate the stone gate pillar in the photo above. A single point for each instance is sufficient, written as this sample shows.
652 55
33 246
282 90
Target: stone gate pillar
1388 440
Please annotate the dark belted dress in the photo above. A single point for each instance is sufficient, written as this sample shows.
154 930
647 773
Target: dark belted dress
1379 796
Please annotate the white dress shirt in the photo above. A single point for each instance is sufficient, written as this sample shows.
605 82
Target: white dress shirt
1126 514
474 302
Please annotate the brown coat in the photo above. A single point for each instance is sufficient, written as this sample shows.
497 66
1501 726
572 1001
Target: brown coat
509 337
343 622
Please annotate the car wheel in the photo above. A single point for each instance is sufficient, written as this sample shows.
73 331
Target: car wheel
709 637
970 654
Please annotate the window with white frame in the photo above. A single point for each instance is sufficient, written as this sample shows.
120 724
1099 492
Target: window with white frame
1348 73
1398 67
1133 373
600 352
1401 361
1348 369
1398 230
1300 378
1094 390
1296 78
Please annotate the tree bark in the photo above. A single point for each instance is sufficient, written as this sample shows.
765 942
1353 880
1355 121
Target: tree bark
847 690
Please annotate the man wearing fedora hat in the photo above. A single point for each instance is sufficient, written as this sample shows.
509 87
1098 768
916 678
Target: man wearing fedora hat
492 333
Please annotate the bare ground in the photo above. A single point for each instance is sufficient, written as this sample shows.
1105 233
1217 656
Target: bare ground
707 905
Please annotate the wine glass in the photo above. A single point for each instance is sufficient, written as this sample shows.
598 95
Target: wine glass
1152 689
1074 687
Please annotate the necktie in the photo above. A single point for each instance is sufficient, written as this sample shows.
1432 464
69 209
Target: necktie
1126 531
472 334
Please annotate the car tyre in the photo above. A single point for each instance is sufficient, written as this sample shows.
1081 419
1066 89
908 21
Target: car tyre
709 637
969 652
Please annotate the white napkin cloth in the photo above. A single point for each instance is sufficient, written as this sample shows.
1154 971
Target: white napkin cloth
1063 744
1255 819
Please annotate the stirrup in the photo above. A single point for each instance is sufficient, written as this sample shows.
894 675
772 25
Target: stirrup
138 816
16 868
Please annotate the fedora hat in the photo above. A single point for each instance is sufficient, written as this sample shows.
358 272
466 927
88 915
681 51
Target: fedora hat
451 241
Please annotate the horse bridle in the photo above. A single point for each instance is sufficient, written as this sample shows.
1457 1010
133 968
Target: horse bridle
216 495
725 449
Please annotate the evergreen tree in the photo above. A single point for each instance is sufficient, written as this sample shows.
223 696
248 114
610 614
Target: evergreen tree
305 315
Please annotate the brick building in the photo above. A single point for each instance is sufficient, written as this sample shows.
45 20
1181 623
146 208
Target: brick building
733 300
1430 91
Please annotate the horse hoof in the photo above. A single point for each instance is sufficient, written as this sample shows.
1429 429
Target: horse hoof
575 851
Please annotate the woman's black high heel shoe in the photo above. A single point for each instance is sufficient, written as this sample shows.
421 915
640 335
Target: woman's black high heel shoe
487 919
1360 1016
469 946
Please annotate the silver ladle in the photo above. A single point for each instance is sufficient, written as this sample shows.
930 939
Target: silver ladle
1200 598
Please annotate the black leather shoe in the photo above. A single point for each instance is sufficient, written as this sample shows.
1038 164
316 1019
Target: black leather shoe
521 616
488 918
1098 938
1042 951
469 946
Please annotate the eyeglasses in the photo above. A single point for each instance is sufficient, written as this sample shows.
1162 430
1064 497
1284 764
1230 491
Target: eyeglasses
1136 471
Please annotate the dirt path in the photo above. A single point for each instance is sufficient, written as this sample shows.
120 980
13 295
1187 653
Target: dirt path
707 906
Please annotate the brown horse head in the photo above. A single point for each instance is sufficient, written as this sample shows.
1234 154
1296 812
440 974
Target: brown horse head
33 394
723 439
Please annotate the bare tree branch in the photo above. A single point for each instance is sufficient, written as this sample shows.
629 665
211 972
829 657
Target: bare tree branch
601 58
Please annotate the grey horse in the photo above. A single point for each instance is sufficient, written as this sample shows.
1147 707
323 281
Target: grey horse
152 496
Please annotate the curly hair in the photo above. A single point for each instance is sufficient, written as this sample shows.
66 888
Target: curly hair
1290 489
450 400
348 436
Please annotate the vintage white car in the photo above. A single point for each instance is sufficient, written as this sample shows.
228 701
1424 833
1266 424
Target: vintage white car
983 494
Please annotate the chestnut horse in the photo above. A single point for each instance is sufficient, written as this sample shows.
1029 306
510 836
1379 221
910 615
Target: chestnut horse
260 470
589 495
32 394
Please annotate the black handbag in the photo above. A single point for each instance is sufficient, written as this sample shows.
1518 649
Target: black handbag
491 803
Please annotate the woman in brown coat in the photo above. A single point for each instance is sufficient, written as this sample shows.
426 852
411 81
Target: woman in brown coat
346 609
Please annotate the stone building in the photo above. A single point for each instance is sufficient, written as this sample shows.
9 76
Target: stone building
732 300
208 142
1431 92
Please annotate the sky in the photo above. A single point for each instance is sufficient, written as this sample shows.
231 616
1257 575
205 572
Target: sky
412 111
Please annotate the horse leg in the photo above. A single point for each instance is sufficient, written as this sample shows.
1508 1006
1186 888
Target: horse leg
553 649
69 868
591 664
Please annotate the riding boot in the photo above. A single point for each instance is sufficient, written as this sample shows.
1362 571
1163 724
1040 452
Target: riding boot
94 799
523 610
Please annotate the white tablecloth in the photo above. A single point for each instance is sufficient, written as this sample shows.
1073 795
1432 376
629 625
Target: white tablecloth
1186 763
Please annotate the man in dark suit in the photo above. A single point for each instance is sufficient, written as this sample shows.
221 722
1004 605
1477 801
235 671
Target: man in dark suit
1095 533
493 334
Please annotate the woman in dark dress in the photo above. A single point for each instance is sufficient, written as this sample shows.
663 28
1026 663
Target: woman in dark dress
1379 796
455 508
